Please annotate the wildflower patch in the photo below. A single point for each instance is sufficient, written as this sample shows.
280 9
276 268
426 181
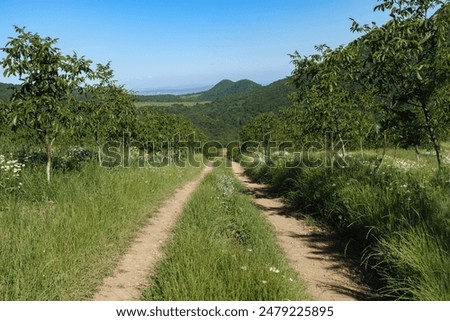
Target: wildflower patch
10 174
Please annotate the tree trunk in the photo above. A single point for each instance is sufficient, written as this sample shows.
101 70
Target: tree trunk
432 132
416 148
99 154
99 150
380 162
361 147
49 147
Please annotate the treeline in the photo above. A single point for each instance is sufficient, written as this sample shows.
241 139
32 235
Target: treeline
390 86
64 100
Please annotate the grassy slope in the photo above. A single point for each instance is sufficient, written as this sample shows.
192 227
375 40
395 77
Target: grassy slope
223 249
58 242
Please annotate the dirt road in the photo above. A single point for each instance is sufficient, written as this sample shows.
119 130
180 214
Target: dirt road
132 273
310 250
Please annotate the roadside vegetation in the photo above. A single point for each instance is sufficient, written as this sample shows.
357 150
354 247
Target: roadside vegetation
223 249
58 241
76 181
396 215
368 121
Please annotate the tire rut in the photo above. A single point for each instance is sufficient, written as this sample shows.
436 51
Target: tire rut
310 250
132 272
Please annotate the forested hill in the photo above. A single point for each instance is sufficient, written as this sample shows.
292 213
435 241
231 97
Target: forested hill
227 87
222 118
6 91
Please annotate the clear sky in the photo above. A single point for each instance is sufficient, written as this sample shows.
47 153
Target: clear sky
178 44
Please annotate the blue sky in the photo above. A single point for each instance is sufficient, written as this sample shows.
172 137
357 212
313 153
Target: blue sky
179 44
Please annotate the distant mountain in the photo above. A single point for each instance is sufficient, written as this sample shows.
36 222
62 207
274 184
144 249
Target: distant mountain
222 89
227 88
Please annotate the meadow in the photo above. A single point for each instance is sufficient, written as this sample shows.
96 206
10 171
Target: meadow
65 221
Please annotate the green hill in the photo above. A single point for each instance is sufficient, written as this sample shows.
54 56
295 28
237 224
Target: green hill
227 88
222 89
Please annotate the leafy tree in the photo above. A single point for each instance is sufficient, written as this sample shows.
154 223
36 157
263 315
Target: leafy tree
262 128
161 132
46 97
328 97
408 63
108 112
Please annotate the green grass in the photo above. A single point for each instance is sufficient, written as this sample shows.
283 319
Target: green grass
58 242
415 264
223 249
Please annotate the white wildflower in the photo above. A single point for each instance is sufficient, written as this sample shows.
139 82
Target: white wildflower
274 270
225 185
10 171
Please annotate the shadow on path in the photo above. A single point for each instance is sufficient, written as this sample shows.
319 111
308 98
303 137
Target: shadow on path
328 264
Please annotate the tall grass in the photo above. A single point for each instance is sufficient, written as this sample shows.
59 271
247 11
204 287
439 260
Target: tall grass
415 264
223 249
399 216
58 241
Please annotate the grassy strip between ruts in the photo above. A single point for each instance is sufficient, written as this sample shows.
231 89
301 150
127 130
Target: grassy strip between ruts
223 249
58 241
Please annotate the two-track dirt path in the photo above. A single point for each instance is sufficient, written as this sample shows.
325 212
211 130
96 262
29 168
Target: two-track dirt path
310 251
132 272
